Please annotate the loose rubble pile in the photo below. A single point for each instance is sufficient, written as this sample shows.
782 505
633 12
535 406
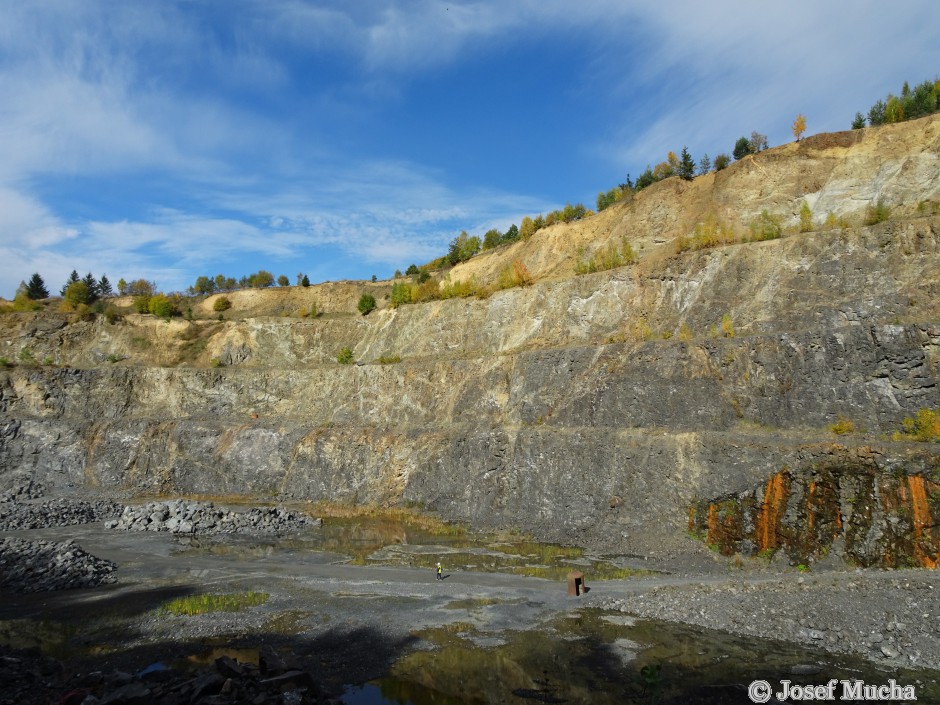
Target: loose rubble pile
32 678
16 515
182 516
38 566
19 510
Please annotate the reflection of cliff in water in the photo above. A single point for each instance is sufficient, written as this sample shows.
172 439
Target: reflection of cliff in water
599 659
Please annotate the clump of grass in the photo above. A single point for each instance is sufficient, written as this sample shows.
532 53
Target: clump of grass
389 359
727 326
834 222
877 213
842 426
515 275
765 227
458 289
709 233
205 603
612 256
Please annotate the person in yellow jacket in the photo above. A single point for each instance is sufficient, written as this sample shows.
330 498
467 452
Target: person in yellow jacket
440 572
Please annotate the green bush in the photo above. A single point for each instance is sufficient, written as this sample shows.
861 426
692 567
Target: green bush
366 304
345 356
711 232
401 294
142 303
460 289
610 257
765 227
877 213
806 218
77 293
221 304
161 306
924 427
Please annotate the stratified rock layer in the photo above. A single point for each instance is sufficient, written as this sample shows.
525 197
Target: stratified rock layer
595 409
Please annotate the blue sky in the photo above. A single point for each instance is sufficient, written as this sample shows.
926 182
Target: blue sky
166 140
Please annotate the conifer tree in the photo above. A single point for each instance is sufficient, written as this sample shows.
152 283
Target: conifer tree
92 284
104 286
73 277
686 168
36 289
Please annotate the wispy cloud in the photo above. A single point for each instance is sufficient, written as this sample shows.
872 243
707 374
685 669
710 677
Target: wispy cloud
218 137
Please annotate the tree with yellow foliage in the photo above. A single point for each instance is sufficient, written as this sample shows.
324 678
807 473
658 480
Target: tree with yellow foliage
799 126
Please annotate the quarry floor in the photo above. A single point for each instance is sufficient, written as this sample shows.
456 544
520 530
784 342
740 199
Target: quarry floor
355 623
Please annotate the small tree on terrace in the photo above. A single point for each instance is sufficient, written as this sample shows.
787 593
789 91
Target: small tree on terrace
283 280
77 293
104 286
512 234
799 126
73 277
366 304
305 281
122 286
491 239
141 287
705 164
758 142
36 288
686 168
858 122
742 148
722 161
203 285
92 285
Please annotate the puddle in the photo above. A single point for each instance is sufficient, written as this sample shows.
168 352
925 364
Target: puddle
593 659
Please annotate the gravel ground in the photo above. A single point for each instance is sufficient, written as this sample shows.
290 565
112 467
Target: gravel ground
887 617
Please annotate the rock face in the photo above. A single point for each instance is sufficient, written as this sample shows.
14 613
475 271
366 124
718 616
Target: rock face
686 378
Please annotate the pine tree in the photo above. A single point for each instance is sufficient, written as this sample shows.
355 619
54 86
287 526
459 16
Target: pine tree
104 286
705 165
859 122
92 284
742 148
305 281
73 277
36 289
686 168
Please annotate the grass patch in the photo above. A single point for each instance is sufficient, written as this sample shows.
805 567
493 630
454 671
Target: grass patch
404 515
709 233
612 256
877 213
924 427
842 426
207 602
